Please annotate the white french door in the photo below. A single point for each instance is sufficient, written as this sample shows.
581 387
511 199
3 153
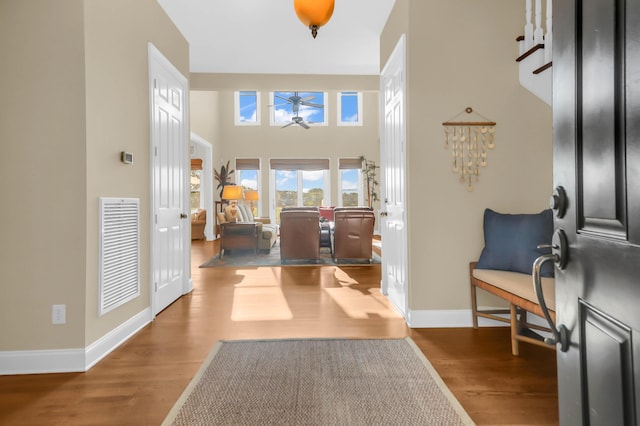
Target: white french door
170 206
393 166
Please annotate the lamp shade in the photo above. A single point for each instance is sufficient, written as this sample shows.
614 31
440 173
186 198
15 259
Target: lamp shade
251 195
232 192
314 13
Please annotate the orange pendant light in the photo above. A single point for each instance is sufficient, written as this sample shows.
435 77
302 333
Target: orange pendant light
314 13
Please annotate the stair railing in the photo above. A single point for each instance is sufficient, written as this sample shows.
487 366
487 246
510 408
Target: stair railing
536 48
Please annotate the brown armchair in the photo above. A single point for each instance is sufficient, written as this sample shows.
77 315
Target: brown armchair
198 222
353 234
299 235
243 236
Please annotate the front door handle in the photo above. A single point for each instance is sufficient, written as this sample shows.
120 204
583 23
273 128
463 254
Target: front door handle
559 257
183 216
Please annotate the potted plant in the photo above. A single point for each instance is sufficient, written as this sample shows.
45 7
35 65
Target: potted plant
369 169
223 177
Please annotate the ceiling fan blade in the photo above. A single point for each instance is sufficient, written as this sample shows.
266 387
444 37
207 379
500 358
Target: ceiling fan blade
284 99
288 124
309 104
303 124
307 98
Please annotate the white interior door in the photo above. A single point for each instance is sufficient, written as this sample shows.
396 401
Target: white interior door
169 145
393 166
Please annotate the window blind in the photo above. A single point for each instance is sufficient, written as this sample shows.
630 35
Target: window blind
349 163
247 164
299 164
196 164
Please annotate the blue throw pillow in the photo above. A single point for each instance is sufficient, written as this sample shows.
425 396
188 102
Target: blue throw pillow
511 241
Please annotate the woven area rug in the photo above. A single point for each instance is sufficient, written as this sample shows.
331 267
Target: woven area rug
317 382
246 258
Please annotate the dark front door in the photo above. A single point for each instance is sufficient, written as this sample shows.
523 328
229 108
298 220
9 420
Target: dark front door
596 117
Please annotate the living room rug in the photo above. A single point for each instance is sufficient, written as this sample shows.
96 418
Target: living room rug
246 258
317 382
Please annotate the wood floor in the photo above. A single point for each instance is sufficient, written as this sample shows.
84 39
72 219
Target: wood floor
139 382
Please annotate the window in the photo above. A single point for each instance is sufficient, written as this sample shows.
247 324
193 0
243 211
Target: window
247 108
350 184
302 182
350 109
248 175
285 104
195 180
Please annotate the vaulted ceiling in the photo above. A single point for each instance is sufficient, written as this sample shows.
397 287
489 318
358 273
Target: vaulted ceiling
265 36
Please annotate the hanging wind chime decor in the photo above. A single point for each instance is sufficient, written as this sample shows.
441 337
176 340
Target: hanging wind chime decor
469 141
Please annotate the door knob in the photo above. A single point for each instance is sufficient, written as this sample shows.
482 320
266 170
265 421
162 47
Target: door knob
183 216
384 214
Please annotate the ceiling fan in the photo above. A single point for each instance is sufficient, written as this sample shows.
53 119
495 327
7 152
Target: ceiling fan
296 120
295 100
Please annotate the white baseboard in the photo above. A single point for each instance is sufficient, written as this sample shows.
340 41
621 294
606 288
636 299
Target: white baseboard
110 341
71 360
442 318
189 287
42 361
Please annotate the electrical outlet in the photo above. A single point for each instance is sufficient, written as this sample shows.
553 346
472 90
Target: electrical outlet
58 314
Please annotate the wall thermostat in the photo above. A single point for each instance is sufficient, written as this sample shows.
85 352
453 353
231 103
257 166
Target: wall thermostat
126 157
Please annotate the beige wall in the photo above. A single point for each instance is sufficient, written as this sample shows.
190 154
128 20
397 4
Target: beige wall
42 130
397 24
116 34
461 53
267 141
205 116
75 75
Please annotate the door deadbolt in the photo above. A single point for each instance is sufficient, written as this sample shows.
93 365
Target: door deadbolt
558 202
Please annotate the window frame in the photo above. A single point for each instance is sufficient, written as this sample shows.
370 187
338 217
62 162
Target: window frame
258 181
236 109
360 188
360 121
349 163
299 186
199 173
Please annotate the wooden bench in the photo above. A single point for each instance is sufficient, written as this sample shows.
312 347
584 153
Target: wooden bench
517 289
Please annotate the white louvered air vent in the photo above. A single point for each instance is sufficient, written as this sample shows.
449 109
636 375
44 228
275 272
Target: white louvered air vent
119 260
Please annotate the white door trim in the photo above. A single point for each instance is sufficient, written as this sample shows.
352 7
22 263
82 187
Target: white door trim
206 184
158 61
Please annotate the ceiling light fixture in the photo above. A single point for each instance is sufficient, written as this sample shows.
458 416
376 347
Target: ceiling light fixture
314 13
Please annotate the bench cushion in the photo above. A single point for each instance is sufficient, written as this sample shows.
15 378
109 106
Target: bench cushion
519 284
511 241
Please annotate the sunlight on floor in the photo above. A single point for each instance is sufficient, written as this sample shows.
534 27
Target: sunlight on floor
343 278
359 303
259 298
259 304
